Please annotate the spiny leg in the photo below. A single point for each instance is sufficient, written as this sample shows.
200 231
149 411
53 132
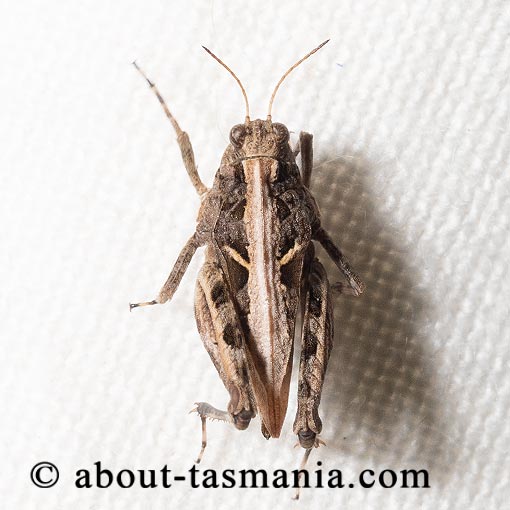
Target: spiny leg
172 282
316 344
223 338
204 440
182 139
205 410
306 146
356 285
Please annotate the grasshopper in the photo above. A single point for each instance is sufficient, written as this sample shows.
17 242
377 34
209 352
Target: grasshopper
258 223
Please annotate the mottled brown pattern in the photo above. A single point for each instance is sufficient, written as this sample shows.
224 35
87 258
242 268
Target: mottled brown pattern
258 222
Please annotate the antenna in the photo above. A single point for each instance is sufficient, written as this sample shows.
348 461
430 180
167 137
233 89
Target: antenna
288 72
236 79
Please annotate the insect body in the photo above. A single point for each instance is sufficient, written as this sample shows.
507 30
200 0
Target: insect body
258 223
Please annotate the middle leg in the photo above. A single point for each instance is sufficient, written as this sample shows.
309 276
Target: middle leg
175 277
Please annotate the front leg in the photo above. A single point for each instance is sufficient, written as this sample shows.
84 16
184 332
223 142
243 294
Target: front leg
316 344
355 285
183 140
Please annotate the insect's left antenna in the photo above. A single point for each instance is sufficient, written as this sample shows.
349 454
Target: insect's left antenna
235 78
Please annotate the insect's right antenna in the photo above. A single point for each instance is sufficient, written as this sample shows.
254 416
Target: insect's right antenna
236 79
287 74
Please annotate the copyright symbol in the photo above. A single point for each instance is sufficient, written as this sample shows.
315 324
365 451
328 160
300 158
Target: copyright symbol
44 474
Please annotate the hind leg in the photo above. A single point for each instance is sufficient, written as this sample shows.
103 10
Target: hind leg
316 343
223 338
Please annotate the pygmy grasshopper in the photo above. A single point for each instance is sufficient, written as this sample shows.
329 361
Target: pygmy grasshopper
258 222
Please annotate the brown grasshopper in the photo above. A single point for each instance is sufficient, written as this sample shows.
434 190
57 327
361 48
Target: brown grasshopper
258 222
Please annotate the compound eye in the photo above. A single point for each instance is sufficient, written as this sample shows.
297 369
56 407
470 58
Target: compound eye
237 135
281 133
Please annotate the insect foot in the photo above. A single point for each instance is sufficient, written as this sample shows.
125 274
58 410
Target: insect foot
146 303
